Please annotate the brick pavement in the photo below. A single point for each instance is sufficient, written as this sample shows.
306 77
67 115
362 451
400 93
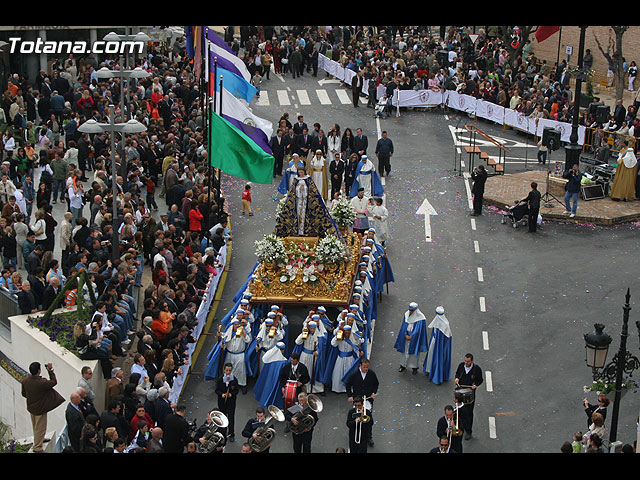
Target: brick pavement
501 191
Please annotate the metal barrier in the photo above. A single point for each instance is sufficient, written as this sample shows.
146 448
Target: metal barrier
594 138
8 306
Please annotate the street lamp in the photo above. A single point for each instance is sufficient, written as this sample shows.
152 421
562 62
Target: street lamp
132 126
597 347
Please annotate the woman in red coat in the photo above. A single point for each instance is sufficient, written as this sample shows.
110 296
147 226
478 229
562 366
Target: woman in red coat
195 217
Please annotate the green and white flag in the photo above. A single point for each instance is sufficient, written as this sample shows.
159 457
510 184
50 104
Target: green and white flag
235 153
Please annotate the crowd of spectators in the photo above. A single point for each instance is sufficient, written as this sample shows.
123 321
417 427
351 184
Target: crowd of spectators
47 161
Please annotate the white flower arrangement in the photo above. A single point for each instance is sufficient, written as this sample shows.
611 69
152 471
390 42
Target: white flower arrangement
343 213
280 205
331 250
270 249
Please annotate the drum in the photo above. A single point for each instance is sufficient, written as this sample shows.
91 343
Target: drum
290 395
467 394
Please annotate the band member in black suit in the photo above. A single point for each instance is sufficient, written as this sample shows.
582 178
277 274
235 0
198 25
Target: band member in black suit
253 424
470 375
336 172
479 177
363 383
358 431
447 428
301 441
278 146
303 143
294 370
227 390
443 446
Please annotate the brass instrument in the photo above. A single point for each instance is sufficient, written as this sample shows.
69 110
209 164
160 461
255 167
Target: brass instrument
456 432
339 333
304 419
305 332
265 434
239 331
272 331
364 418
213 438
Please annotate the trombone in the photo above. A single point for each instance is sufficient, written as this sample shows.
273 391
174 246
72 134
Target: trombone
364 418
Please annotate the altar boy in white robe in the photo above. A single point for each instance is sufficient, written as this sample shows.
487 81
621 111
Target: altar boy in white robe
309 353
234 350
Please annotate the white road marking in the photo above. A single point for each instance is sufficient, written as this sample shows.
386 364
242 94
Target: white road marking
427 210
483 306
263 99
473 224
283 97
323 96
343 96
488 380
485 340
303 96
492 427
480 275
476 246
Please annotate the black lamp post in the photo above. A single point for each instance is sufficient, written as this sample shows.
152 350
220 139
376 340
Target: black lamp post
573 150
597 347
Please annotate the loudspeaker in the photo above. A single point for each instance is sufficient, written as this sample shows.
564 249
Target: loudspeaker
602 114
592 192
551 138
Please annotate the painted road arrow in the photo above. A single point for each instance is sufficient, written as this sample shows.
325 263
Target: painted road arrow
427 210
328 80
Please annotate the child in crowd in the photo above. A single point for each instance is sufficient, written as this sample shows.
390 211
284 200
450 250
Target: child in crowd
246 200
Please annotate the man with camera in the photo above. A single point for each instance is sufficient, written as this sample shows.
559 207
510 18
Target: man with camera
41 399
572 189
479 177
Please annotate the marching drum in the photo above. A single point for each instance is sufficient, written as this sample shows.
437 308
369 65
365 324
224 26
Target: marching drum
290 395
467 394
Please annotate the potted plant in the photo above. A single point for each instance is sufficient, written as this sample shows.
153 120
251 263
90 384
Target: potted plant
608 389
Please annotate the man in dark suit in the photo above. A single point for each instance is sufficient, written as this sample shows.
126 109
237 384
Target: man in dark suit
26 299
303 143
357 82
227 390
619 113
469 374
176 431
443 446
49 294
162 407
319 142
75 420
336 172
479 177
294 370
363 383
300 125
113 417
360 142
278 146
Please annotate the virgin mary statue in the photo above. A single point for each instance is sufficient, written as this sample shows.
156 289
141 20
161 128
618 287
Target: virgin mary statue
304 213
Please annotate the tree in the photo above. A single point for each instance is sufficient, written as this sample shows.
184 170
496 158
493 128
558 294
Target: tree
614 57
514 44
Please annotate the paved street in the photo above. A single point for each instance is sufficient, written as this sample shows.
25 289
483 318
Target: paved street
520 303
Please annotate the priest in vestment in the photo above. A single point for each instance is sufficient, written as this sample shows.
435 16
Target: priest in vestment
319 174
624 183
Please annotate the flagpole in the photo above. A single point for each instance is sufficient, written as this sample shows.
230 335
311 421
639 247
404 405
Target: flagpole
219 169
215 70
